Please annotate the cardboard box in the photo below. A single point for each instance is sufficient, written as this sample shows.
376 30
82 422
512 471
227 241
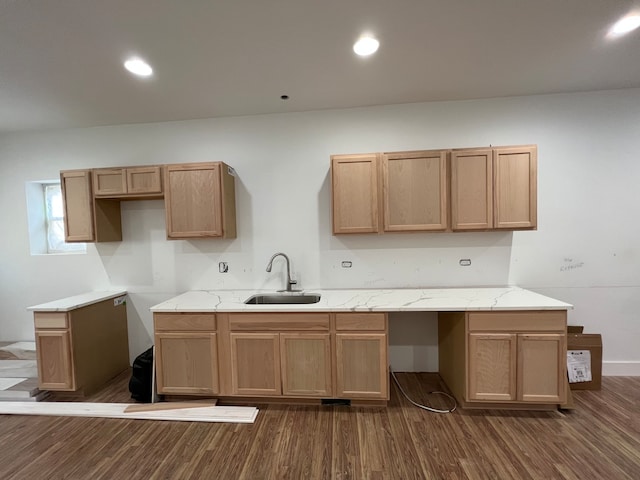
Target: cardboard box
576 340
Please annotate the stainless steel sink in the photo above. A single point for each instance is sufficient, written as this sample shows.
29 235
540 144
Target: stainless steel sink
283 299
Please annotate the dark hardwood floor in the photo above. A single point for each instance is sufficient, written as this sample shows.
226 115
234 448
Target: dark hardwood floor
600 439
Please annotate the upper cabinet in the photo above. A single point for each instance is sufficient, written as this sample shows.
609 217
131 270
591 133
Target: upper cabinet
86 218
355 193
414 191
472 189
391 192
494 188
200 200
110 182
78 205
488 188
515 187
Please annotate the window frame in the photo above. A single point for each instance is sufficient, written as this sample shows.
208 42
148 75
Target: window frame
45 212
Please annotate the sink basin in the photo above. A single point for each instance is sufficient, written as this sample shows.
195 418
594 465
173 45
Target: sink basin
283 299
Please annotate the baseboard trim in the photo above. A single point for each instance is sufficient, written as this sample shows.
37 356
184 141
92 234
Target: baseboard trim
621 369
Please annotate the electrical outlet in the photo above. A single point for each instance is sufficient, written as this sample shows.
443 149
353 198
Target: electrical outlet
346 264
223 267
465 262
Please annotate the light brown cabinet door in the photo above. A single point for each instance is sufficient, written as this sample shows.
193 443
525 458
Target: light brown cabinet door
142 180
491 367
306 364
415 191
54 359
354 180
472 189
187 363
109 181
515 185
78 205
361 365
193 201
255 364
120 182
541 368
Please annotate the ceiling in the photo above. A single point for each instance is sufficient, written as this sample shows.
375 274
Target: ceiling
61 61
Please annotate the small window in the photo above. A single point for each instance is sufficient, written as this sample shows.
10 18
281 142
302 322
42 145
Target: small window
46 220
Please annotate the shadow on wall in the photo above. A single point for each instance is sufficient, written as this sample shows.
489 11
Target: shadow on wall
131 261
140 335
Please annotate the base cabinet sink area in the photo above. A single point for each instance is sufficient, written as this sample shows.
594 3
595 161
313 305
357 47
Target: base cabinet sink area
272 354
498 347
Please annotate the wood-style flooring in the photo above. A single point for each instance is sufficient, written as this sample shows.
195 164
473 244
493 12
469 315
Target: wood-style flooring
600 439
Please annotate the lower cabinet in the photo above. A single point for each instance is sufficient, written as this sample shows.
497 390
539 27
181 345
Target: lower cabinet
306 364
541 366
287 355
255 364
280 354
513 357
289 364
55 365
361 355
309 355
81 349
186 351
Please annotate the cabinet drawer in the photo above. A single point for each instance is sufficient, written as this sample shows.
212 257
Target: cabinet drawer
187 322
279 321
361 321
50 320
529 321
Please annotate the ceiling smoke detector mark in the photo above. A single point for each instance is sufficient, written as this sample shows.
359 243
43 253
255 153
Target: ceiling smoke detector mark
138 67
223 267
347 264
366 45
465 262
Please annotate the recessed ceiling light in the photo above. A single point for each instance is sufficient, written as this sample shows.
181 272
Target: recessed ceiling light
139 67
366 46
625 25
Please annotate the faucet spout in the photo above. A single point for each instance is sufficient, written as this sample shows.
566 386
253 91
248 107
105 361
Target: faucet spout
290 282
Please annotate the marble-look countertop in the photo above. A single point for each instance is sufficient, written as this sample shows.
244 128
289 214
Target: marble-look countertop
384 300
77 301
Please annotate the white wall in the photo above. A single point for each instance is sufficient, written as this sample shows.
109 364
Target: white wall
585 250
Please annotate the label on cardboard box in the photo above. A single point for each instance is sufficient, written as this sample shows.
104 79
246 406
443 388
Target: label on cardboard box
579 366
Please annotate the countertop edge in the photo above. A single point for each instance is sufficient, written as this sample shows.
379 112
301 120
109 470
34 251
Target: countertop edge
298 309
77 301
370 300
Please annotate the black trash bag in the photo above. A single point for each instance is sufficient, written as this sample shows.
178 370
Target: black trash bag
141 373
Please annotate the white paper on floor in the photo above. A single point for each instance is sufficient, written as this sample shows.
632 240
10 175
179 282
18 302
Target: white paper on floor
116 410
18 368
20 346
10 382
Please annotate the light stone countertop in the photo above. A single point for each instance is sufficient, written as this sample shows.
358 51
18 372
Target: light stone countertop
383 300
77 301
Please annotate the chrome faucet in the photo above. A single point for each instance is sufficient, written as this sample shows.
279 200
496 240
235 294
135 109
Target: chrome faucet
290 282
